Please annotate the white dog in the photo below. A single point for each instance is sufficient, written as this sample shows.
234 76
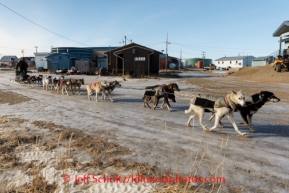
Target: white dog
226 106
46 82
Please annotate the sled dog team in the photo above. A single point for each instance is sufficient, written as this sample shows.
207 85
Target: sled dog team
219 106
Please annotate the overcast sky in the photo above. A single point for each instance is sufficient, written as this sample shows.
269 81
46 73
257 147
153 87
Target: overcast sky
216 27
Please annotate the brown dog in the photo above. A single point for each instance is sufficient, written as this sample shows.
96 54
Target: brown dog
97 87
64 84
76 83
162 90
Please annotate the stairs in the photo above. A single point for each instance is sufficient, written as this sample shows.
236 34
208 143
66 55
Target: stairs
270 58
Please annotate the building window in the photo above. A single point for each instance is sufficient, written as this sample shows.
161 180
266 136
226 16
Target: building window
222 62
236 62
219 62
230 62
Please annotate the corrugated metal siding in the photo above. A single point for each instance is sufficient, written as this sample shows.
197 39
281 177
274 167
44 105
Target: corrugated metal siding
258 63
52 67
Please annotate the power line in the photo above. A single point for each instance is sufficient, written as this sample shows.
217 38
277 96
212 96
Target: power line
155 44
42 26
15 48
190 45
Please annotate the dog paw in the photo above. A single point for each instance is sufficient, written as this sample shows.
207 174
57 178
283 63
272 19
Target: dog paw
112 100
253 131
223 126
189 125
243 133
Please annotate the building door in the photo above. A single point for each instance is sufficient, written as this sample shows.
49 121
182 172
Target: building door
139 69
120 64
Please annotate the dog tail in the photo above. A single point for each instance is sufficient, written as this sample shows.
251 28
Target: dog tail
188 111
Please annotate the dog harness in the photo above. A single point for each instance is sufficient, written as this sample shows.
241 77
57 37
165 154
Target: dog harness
211 101
227 103
163 86
92 84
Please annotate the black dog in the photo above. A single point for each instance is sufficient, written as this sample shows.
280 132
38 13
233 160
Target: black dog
148 95
253 103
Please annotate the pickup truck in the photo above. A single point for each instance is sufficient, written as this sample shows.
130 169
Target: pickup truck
210 67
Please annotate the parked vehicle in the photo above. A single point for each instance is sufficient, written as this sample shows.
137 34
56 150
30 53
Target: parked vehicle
223 68
210 67
281 62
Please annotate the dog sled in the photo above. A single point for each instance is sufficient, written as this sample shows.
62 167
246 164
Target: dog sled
21 77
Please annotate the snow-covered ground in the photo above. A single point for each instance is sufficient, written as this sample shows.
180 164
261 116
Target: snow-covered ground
258 162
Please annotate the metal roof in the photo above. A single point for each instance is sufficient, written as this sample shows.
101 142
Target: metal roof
41 53
64 54
69 55
130 46
8 58
86 48
232 58
282 29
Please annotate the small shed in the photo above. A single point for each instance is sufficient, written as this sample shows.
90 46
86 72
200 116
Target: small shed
263 60
40 60
133 59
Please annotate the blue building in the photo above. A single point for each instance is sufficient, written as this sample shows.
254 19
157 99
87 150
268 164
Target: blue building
61 61
65 57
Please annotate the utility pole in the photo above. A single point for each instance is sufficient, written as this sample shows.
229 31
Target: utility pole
124 40
203 58
166 61
22 52
36 48
180 63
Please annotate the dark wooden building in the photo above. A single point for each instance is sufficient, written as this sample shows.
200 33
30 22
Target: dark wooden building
133 59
